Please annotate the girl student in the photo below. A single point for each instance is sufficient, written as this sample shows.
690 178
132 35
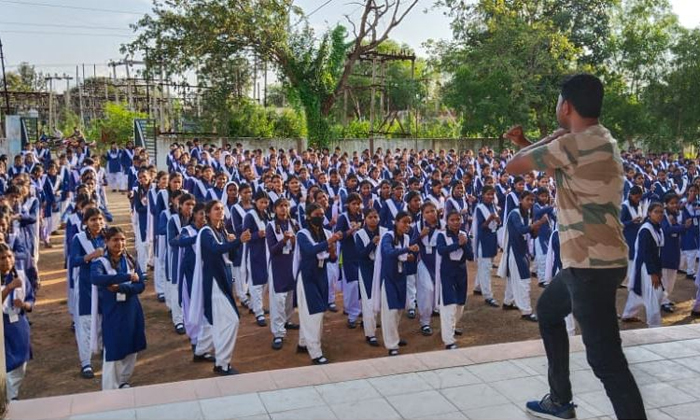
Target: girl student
366 241
673 226
212 306
240 269
157 203
280 235
51 193
542 207
177 222
348 223
256 254
395 251
86 247
453 251
413 208
164 257
515 261
119 281
17 300
186 243
645 287
329 221
457 202
485 227
689 239
632 218
315 249
428 230
141 216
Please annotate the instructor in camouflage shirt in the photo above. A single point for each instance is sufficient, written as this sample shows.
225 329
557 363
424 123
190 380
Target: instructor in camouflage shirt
584 160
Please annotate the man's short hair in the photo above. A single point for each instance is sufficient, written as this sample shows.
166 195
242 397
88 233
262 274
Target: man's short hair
585 93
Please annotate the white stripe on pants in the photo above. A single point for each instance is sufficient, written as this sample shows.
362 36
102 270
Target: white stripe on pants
310 325
411 291
369 319
449 315
256 298
225 328
520 288
425 294
668 279
281 310
82 336
117 372
650 299
14 381
171 295
540 261
390 323
483 276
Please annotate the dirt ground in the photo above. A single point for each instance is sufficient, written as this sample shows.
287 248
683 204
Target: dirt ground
55 369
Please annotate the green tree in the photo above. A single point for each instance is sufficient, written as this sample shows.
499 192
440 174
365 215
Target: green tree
26 79
117 124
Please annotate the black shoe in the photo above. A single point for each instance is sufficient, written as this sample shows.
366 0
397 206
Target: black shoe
261 321
352 324
206 357
372 341
291 326
426 330
320 361
690 277
245 303
530 318
695 314
87 373
451 346
302 349
403 343
542 285
266 311
225 372
509 307
180 329
477 292
411 314
394 352
435 313
125 385
251 311
458 331
277 343
492 302
72 326
161 298
667 308
332 307
533 275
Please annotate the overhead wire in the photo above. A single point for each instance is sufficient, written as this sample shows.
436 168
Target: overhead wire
65 6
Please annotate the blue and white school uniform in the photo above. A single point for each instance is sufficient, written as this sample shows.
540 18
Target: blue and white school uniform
630 229
542 239
689 241
152 225
671 253
186 244
391 261
240 268
256 260
366 253
350 257
553 266
114 168
127 161
74 225
512 201
515 263
647 261
123 326
212 311
172 296
87 329
140 220
311 259
451 281
52 216
485 247
390 208
425 277
160 267
281 278
29 227
17 331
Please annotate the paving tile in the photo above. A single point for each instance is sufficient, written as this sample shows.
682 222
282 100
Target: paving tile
473 396
347 371
682 332
497 371
421 404
584 381
234 406
657 414
303 376
642 377
291 399
446 378
206 388
457 415
643 336
519 390
597 399
399 384
47 408
175 411
347 392
392 365
663 395
498 412
444 358
164 394
129 414
578 361
95 402
666 370
683 412
258 417
246 383
672 350
689 386
499 352
310 413
639 354
690 362
374 409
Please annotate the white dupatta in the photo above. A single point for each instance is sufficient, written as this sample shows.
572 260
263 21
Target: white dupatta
94 308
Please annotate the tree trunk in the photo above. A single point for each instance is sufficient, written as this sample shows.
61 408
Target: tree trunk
317 124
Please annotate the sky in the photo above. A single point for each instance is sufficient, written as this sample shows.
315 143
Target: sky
58 35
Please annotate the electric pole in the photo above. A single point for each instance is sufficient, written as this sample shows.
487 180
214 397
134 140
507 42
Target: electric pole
4 80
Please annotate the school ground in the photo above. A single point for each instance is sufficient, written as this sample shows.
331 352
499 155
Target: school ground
484 373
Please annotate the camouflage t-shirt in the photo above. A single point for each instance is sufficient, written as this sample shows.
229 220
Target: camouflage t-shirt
589 177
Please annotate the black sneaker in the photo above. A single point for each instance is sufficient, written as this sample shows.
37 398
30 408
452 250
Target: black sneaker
451 346
180 329
690 276
320 361
225 372
161 298
529 318
332 307
666 307
492 303
291 326
277 343
411 314
509 307
426 330
87 373
302 349
352 324
403 343
394 352
548 409
372 341
542 285
261 321
458 331
206 357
